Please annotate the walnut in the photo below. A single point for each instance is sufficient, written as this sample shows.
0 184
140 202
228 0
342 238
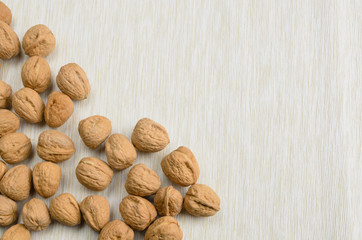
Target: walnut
28 105
120 152
201 200
9 42
65 209
5 14
36 74
16 183
5 95
38 41
9 122
58 110
96 211
168 201
142 181
15 147
116 230
46 178
94 130
164 228
36 215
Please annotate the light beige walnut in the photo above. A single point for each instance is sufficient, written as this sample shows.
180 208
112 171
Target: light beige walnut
58 110
16 232
9 122
96 211
55 146
120 152
149 136
94 173
36 74
116 230
137 212
181 167
201 200
15 147
65 209
94 130
8 211
46 178
28 105
73 81
3 169
38 41
142 181
168 201
16 183
164 228
5 14
5 95
9 42
36 215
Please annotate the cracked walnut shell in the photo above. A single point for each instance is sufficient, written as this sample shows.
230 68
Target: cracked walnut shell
94 130
36 215
16 232
201 200
36 74
38 41
65 209
96 211
58 110
164 228
116 230
168 201
46 178
9 42
120 152
9 122
16 183
15 147
8 211
28 105
181 167
137 212
5 95
142 181
5 13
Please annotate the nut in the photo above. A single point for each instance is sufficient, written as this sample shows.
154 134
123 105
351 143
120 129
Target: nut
38 41
116 229
142 181
9 122
120 152
181 167
28 105
94 130
96 211
15 147
9 42
55 146
94 173
46 178
16 183
5 14
137 212
5 94
73 81
149 136
58 110
3 169
36 74
168 201
65 209
8 211
36 215
164 228
201 200
16 232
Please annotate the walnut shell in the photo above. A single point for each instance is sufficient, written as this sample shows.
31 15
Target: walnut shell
5 14
58 110
73 81
15 147
9 122
137 212
28 105
16 232
65 209
3 169
120 152
116 230
16 183
94 173
96 211
5 94
168 201
9 42
142 181
8 211
94 130
36 215
201 200
38 41
181 167
149 136
36 74
46 178
55 146
164 228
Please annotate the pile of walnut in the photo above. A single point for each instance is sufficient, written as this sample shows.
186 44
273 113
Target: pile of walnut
138 213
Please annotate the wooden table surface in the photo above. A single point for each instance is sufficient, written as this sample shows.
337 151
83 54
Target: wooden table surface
267 94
